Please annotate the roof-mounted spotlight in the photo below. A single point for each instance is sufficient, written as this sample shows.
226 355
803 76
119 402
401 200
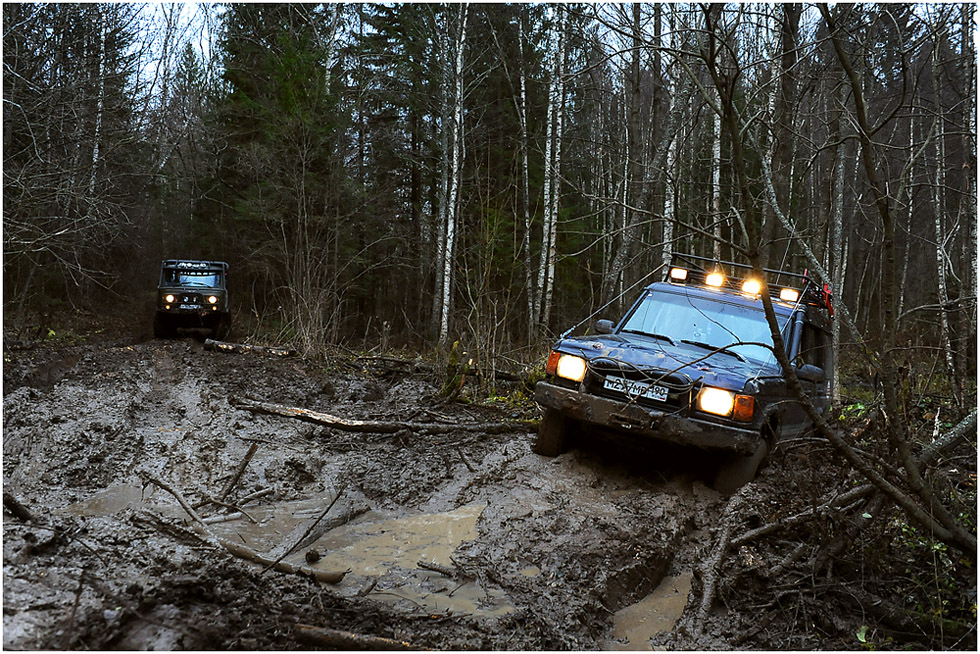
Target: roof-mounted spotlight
715 279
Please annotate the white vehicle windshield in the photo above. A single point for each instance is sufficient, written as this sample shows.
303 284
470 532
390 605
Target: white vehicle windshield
706 323
192 278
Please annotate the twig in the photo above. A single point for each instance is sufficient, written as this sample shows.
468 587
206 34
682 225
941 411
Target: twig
256 495
66 641
435 567
234 507
465 460
183 503
239 471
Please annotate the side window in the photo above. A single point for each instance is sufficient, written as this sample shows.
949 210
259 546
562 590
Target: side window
814 347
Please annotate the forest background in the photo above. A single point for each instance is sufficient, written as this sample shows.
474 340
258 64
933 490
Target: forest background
494 173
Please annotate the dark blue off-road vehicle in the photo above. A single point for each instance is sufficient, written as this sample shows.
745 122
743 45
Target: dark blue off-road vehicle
692 363
192 295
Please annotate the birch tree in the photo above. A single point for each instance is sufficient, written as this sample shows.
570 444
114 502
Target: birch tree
454 129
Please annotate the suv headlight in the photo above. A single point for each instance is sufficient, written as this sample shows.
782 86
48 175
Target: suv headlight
213 299
566 366
720 402
571 367
169 298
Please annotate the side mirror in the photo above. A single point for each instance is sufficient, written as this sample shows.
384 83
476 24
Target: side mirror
604 326
811 373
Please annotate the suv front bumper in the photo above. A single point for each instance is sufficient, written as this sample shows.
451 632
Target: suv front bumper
643 421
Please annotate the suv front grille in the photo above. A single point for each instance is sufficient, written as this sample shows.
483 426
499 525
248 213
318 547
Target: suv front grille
679 387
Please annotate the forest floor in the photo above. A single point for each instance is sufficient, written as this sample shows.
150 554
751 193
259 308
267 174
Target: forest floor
452 535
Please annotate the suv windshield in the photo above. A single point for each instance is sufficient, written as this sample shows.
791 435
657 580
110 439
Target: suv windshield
172 277
709 323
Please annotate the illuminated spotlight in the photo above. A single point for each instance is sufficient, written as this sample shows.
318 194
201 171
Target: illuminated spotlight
789 295
678 274
714 279
751 287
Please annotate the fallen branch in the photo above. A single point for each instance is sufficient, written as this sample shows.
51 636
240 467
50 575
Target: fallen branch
256 495
242 348
238 471
374 426
346 640
313 524
243 552
17 509
435 567
808 514
712 567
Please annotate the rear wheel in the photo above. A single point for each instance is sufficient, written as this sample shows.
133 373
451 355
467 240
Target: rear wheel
553 434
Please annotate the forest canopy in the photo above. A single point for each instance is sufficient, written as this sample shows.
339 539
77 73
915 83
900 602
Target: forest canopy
491 172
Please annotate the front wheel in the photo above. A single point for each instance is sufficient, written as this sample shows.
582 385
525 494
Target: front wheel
220 331
739 470
162 327
553 434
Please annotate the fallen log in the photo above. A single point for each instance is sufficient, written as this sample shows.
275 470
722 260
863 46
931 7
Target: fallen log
242 348
338 639
375 426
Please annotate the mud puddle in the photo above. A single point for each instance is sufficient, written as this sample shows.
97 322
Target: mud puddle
658 612
386 559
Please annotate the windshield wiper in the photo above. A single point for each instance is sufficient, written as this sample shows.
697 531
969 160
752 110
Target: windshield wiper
714 349
662 337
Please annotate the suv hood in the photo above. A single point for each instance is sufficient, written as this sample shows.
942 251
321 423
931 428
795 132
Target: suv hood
718 369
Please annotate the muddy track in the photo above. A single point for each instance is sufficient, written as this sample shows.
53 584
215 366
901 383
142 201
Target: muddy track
534 553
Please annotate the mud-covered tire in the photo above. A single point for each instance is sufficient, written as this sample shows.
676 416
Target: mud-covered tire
221 330
162 327
738 470
553 434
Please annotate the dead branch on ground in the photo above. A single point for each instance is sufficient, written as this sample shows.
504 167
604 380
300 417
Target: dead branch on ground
241 551
242 348
17 509
375 426
306 532
346 640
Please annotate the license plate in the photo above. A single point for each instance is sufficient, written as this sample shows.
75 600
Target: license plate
635 388
191 307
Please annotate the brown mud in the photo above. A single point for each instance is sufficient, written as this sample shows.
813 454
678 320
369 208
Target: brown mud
459 540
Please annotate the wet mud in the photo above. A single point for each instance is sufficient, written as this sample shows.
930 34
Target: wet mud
459 540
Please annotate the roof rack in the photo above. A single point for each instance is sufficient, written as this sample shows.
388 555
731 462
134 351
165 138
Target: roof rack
710 272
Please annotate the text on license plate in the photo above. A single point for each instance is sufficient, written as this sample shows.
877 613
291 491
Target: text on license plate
635 388
192 307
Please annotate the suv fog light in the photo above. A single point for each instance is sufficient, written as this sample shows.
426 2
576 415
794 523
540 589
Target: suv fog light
571 367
